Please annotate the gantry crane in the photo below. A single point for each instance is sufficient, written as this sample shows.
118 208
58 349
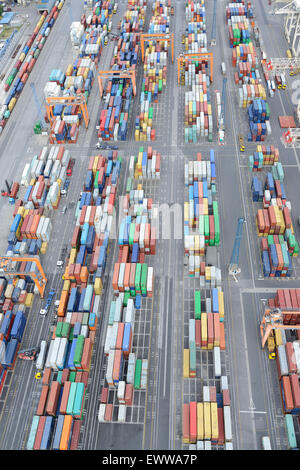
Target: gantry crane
291 24
38 106
7 268
234 268
169 38
273 320
221 112
79 100
189 58
129 73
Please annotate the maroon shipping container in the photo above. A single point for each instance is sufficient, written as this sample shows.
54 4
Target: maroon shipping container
290 357
84 378
212 394
78 377
64 398
128 394
294 380
53 399
75 237
65 376
39 433
43 399
198 333
104 395
86 353
186 422
221 426
108 412
75 434
210 329
226 397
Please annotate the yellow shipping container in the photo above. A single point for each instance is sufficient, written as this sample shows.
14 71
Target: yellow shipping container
69 70
44 248
21 211
186 363
221 304
137 135
214 421
278 338
98 286
29 300
66 285
186 212
204 328
200 423
95 165
282 223
197 244
73 254
207 273
12 103
205 206
207 420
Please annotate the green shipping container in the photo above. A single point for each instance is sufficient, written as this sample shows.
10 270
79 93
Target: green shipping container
71 337
59 376
131 233
78 351
292 443
137 374
79 397
71 398
144 279
72 376
270 240
206 228
96 179
65 329
193 356
197 305
58 330
137 281
126 297
128 184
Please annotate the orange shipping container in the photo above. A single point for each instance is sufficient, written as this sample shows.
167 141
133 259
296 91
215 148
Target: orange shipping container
120 334
66 433
126 276
63 303
115 277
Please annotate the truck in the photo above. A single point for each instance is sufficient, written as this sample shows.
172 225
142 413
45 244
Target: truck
44 311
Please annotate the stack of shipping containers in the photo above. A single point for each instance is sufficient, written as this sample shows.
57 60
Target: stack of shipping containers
287 351
114 117
29 235
133 279
208 423
69 355
197 105
155 70
79 76
274 226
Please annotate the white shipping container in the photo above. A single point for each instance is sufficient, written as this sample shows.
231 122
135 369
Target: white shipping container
114 335
41 356
121 392
131 369
217 361
61 355
101 412
47 364
122 414
109 370
206 394
224 383
54 353
200 445
227 424
107 339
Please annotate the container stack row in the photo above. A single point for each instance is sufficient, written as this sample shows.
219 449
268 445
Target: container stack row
44 178
57 421
68 358
274 220
265 155
155 70
145 166
133 279
198 120
26 61
201 213
114 117
94 216
89 35
208 423
252 94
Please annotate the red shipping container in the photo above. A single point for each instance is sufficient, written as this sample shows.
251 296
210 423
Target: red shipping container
193 422
294 380
226 397
128 394
75 434
290 357
104 395
43 399
108 412
186 423
287 393
39 433
65 376
212 394
53 399
120 334
65 398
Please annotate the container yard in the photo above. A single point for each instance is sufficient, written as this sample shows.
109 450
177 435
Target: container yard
149 264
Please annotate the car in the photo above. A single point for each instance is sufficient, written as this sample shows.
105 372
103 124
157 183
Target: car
59 263
101 146
64 210
70 167
241 143
63 192
113 147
